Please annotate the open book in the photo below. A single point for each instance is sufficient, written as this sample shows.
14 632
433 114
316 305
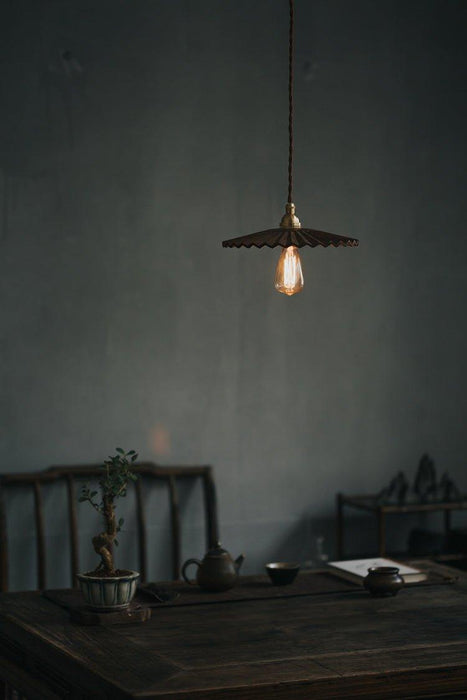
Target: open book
356 569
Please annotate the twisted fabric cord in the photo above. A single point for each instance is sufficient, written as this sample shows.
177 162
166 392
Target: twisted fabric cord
291 76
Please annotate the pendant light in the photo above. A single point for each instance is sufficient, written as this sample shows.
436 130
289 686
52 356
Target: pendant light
290 236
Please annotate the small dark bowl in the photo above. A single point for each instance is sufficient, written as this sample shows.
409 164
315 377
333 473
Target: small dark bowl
282 573
383 581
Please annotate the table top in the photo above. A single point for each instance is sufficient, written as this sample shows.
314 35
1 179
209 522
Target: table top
340 645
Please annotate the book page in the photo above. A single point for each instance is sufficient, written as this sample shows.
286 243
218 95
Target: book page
359 567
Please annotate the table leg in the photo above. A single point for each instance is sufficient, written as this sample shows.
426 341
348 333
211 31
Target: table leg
381 532
340 526
6 691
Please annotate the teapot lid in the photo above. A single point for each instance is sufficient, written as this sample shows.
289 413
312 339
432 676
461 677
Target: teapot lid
217 551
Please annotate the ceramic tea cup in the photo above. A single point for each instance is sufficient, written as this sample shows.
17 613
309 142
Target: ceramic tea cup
282 573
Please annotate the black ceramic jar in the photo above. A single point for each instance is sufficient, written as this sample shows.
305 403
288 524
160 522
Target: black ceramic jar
383 581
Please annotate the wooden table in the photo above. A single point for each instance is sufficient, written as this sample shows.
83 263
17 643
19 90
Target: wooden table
328 645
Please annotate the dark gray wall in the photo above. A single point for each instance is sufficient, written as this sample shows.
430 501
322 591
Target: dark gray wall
123 320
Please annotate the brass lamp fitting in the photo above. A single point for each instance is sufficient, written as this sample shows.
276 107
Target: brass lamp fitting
289 220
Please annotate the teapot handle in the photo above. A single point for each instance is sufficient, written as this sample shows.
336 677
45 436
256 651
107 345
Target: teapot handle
184 568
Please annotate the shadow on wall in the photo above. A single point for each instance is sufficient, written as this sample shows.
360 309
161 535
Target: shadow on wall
313 541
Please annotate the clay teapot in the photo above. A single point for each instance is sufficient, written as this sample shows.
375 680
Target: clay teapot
217 572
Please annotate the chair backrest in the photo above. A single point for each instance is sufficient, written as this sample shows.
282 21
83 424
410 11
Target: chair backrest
69 476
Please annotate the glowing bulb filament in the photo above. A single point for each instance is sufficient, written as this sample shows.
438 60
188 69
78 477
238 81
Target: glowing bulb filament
289 276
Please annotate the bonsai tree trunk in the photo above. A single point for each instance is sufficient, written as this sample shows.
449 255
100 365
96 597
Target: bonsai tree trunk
103 543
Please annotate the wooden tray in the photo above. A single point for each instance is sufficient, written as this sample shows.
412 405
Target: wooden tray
72 600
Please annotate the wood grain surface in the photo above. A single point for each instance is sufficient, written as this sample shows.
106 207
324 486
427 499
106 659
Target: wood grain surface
341 645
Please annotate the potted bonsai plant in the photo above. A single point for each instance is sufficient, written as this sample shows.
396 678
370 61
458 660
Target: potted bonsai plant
107 588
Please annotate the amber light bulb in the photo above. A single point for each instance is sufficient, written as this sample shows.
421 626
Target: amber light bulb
289 275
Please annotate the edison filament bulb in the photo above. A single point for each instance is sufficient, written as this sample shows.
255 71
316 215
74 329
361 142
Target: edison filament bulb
289 275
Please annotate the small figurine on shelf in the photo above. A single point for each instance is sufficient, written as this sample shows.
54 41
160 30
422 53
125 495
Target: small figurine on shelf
396 492
448 490
425 486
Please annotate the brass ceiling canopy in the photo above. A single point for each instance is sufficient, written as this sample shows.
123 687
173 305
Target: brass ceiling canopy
290 236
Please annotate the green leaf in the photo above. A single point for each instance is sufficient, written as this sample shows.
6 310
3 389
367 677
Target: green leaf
116 543
81 499
119 449
134 458
131 452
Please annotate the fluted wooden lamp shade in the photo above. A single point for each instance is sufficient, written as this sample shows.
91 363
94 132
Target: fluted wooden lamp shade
299 237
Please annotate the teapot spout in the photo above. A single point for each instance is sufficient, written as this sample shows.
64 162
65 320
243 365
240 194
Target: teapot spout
238 562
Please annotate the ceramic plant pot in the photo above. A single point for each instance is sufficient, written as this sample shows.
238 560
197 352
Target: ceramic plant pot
108 594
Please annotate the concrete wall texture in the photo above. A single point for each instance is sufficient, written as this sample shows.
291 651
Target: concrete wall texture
124 322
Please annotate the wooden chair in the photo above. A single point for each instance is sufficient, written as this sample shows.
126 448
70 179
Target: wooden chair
69 475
